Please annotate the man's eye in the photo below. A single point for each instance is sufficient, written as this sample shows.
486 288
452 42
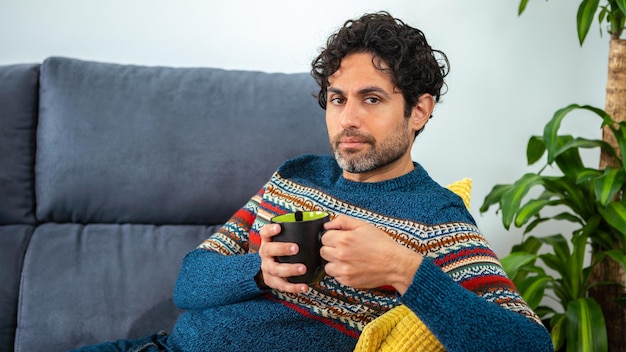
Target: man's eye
337 101
372 100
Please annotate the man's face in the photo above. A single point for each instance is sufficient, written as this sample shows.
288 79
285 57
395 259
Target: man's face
365 119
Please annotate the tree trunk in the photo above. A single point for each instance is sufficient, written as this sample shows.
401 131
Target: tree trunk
608 269
615 103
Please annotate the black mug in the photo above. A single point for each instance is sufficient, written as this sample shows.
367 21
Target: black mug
305 229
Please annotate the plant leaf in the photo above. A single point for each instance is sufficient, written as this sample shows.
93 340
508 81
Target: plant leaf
543 311
568 217
568 159
586 328
534 224
535 149
617 256
620 3
522 7
532 289
531 245
606 118
615 214
575 262
512 262
602 15
608 185
602 239
587 174
571 195
553 262
494 196
562 293
530 210
586 143
532 269
558 324
559 244
512 198
584 18
599 238
551 129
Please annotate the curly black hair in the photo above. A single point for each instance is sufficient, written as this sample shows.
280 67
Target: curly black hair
413 66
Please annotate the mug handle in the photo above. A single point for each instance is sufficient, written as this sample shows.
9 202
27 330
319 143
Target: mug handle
323 262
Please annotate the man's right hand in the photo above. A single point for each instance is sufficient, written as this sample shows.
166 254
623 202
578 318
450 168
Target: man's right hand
274 274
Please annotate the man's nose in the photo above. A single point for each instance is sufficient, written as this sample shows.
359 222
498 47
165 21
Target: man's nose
350 117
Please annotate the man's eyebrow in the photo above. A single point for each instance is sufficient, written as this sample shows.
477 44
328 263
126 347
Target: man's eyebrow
335 90
362 91
373 89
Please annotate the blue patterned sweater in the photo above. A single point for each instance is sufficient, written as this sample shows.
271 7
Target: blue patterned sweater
460 291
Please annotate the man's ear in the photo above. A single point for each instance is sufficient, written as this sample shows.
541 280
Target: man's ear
421 111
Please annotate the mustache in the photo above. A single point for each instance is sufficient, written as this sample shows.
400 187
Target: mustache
354 134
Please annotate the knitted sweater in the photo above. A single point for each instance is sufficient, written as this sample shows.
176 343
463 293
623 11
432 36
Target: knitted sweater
460 290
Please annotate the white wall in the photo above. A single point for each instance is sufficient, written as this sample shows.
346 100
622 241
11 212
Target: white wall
509 73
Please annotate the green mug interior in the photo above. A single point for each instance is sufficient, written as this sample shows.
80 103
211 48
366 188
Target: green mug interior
306 216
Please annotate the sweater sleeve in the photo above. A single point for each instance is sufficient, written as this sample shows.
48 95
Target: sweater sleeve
464 321
222 269
209 279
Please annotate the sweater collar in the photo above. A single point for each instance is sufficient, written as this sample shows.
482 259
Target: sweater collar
410 179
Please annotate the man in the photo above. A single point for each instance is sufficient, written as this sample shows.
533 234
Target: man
396 236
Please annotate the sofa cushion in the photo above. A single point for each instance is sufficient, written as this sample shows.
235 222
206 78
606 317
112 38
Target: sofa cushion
162 145
13 242
78 279
18 120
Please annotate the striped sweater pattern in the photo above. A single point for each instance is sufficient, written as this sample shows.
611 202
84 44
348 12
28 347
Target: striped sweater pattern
413 210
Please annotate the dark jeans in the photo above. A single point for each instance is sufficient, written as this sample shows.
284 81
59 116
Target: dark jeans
152 343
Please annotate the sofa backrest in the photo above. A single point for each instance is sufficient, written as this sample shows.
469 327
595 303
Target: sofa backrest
95 156
18 120
158 145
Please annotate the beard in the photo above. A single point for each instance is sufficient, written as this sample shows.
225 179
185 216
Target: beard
378 154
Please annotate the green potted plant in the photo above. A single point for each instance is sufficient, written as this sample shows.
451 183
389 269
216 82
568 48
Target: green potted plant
587 197
590 314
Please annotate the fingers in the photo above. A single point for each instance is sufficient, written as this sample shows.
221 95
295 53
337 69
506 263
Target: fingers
277 249
280 283
282 270
269 231
275 273
339 228
341 222
268 249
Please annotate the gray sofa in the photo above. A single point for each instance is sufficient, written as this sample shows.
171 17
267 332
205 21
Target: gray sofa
110 174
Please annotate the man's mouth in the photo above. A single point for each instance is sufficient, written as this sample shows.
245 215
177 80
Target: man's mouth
351 143
351 140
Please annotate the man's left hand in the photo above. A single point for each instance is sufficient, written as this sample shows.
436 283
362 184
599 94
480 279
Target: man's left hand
363 256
